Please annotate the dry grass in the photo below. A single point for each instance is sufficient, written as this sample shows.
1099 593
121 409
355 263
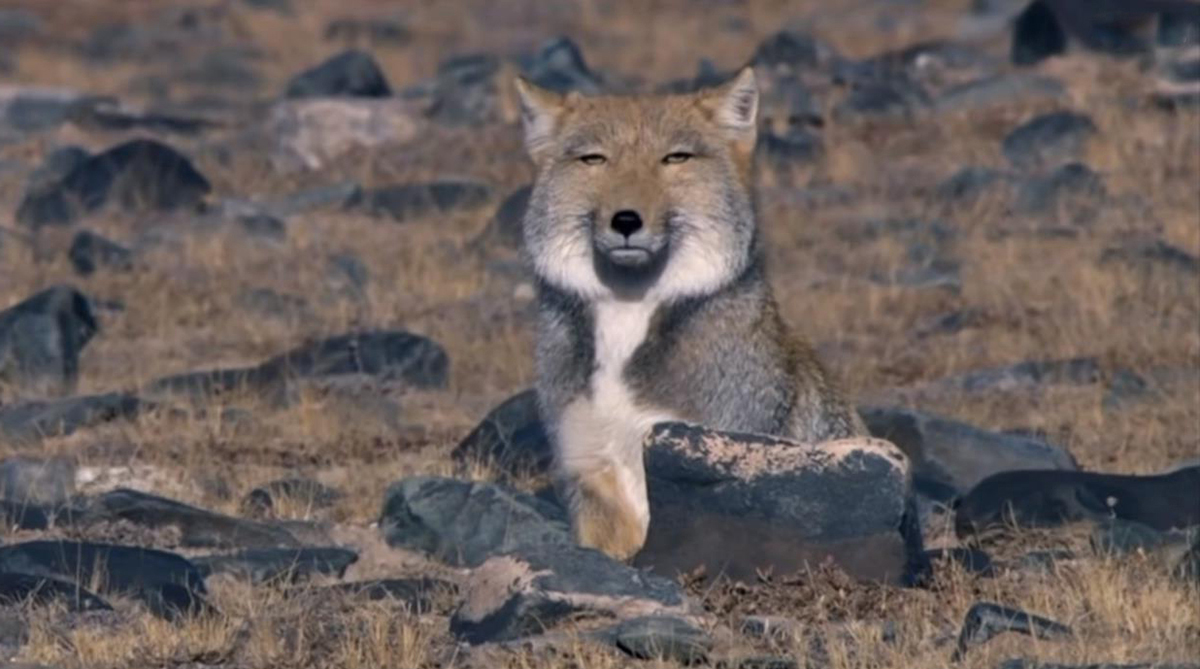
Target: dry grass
1032 296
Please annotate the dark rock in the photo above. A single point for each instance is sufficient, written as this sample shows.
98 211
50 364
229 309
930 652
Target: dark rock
19 588
1074 185
90 251
985 621
559 66
951 322
972 560
1049 139
56 165
41 340
31 516
737 504
174 602
1024 376
1125 386
1053 498
464 523
119 569
511 438
348 274
390 355
375 31
464 92
791 50
267 565
797 146
37 480
1037 35
137 175
407 201
306 492
1153 252
512 596
106 115
319 197
17 25
31 110
506 227
418 594
1042 562
198 528
663 638
896 96
997 89
1122 537
707 75
1178 28
264 226
351 73
971 183
949 456
38 419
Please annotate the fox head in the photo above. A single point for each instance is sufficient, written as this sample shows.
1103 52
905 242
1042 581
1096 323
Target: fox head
641 196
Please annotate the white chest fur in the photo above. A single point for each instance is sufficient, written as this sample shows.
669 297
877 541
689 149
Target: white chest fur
607 426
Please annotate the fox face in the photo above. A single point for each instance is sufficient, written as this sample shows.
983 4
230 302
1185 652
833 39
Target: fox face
641 196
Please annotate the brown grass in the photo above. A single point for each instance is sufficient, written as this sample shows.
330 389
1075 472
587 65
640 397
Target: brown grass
1035 297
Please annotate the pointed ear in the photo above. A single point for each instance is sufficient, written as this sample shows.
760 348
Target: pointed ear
541 111
734 104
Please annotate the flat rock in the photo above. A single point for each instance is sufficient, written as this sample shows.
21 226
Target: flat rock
404 202
198 528
37 480
1034 664
1052 498
663 638
559 66
352 73
948 458
738 503
140 174
266 565
1024 376
42 338
38 419
464 523
90 252
119 569
310 134
1152 252
510 438
517 595
1010 88
1074 188
984 621
1048 140
19 588
418 594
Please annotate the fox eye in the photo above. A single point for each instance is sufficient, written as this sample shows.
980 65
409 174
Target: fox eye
677 157
592 159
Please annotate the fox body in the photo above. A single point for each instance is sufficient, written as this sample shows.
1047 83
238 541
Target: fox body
652 301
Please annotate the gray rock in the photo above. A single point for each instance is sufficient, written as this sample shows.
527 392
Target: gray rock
273 565
1024 376
119 569
985 621
798 145
310 134
28 109
348 274
319 197
56 165
1053 498
407 201
559 66
1117 537
506 226
389 355
1034 664
263 226
736 504
1037 35
418 594
948 458
198 528
971 560
1073 187
351 73
971 183
464 523
271 304
37 419
90 251
465 91
313 494
663 638
998 89
138 175
516 595
48 481
18 24
18 589
1152 252
510 438
42 338
1048 140
896 96
793 51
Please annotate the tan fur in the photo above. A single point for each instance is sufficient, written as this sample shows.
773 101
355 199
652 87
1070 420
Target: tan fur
602 516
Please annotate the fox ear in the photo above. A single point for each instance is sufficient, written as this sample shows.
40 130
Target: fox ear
734 104
541 111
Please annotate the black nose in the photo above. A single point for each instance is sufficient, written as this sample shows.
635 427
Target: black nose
626 222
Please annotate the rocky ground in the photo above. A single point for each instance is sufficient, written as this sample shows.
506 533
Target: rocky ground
264 337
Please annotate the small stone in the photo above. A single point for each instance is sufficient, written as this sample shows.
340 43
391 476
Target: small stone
19 588
198 528
984 621
511 438
404 202
1048 140
42 338
351 73
1074 186
34 420
90 251
1037 35
560 66
663 638
49 481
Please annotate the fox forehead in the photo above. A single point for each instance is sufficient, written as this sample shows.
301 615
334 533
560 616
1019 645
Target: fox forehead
645 122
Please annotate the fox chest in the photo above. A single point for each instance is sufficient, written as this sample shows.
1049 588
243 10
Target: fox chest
609 415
